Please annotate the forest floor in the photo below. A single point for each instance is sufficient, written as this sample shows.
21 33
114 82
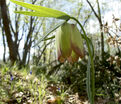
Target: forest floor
24 87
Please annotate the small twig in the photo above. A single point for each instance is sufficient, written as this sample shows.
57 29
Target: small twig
93 9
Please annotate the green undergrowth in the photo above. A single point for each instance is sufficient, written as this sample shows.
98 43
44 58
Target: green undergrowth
29 86
60 84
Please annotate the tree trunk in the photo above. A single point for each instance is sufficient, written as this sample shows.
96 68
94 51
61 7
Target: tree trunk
4 60
98 16
102 43
6 25
28 43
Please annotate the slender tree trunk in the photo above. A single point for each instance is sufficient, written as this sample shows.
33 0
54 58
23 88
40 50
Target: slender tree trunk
4 45
28 43
101 26
6 25
25 53
28 58
4 60
98 16
102 43
44 53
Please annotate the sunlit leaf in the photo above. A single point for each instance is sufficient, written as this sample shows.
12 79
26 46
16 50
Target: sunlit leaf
41 11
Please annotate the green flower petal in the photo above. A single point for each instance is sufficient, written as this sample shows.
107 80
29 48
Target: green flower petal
63 38
77 41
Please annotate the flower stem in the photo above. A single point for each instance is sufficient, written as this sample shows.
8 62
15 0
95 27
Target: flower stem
92 70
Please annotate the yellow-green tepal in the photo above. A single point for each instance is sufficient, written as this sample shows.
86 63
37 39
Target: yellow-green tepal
77 41
69 43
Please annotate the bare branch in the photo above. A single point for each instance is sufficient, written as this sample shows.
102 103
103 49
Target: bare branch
93 9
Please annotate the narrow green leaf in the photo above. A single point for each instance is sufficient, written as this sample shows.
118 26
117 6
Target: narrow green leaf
41 11
38 14
49 31
91 46
88 85
52 37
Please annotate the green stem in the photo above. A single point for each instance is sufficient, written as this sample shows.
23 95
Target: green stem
92 62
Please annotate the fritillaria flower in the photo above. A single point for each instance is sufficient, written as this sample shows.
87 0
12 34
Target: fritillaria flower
69 43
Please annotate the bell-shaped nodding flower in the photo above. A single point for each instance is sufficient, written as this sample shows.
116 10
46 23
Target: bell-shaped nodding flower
69 43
